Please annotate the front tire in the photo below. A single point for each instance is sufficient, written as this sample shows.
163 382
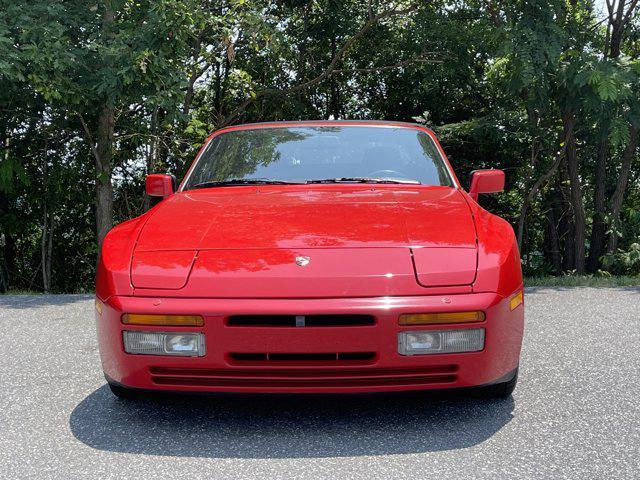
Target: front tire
123 392
500 390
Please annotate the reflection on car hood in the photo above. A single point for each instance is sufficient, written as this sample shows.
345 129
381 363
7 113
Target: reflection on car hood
310 216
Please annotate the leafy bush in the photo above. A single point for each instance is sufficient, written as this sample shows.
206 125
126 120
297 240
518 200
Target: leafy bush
624 262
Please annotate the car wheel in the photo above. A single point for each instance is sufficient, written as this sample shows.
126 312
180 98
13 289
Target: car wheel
122 392
500 390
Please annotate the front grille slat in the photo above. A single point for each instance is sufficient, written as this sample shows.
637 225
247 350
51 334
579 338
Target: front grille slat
306 382
304 357
300 320
249 357
355 356
338 358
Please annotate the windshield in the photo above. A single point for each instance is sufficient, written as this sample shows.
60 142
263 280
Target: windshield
308 154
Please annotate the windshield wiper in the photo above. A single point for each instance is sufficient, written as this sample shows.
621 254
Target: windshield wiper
268 181
243 181
365 180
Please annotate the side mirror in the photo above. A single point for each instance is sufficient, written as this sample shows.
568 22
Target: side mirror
159 185
486 181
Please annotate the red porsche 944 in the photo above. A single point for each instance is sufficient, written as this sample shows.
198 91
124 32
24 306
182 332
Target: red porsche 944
313 257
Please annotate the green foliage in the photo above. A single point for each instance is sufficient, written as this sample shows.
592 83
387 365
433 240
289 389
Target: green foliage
601 280
626 262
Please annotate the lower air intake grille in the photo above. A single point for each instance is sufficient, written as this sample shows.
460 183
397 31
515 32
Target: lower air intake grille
301 357
300 320
266 378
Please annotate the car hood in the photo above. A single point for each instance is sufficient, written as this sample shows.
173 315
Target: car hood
359 241
296 217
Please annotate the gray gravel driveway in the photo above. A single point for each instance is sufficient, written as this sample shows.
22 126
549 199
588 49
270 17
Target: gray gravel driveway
575 413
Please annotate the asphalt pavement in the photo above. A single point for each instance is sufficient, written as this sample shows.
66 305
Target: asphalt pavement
574 414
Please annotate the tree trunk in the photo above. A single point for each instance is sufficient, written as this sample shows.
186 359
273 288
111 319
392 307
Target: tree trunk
616 41
334 102
596 244
5 238
616 26
45 249
9 256
151 154
554 242
529 197
44 240
615 31
103 159
49 252
104 146
621 186
577 205
562 207
4 284
191 91
217 99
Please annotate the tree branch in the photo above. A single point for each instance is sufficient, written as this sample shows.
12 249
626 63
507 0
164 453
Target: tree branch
540 182
196 73
610 5
632 6
494 14
404 63
89 138
620 12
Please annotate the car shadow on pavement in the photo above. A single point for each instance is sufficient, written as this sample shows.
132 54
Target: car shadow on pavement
286 427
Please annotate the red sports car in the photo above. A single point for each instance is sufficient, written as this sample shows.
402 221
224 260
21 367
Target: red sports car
313 257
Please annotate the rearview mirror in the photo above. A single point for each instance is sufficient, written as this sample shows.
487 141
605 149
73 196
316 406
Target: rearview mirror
159 185
486 181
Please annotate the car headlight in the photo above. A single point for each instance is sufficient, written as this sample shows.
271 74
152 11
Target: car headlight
425 342
184 344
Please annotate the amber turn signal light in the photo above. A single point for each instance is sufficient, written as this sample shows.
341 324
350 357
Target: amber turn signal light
163 320
516 300
443 317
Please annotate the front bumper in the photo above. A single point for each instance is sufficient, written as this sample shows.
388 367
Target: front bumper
383 370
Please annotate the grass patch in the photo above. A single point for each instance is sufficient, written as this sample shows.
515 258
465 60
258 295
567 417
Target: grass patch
17 291
582 281
12 291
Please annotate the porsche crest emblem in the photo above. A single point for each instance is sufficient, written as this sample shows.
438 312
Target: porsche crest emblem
303 261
